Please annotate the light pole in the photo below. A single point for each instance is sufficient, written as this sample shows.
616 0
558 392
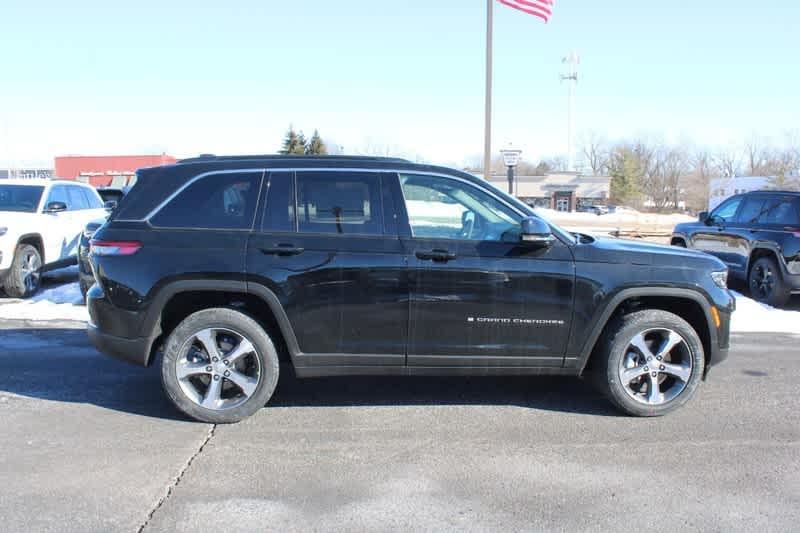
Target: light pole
511 159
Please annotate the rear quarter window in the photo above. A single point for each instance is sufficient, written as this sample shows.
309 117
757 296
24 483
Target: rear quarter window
216 201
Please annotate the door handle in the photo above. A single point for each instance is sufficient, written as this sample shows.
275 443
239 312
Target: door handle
435 255
282 250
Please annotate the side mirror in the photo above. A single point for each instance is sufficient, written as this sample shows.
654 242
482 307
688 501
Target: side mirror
110 205
55 207
536 232
703 216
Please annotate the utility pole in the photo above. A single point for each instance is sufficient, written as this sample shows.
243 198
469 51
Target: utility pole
571 77
487 134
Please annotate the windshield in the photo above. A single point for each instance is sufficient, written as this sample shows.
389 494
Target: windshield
20 198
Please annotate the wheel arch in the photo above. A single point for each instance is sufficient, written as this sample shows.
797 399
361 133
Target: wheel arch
35 240
178 299
685 303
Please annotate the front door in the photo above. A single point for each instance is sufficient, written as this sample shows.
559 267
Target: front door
327 246
479 297
718 236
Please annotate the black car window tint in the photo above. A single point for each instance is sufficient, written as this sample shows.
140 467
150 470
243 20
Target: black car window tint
221 201
339 202
279 211
752 209
782 211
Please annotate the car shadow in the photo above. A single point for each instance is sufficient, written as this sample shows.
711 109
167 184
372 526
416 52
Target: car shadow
59 364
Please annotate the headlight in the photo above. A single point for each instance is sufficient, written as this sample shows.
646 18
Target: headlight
720 278
3 231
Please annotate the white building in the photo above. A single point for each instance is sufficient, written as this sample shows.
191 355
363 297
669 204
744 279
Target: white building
721 188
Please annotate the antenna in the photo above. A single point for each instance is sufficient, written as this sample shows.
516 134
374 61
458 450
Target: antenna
571 77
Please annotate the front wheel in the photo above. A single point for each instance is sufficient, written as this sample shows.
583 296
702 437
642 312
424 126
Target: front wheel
650 363
25 275
219 366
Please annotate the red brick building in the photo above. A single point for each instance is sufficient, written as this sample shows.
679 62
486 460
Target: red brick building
106 170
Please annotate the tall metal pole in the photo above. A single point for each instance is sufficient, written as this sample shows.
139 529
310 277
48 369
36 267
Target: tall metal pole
487 140
572 60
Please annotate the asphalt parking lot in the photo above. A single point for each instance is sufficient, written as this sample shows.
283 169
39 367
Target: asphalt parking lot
90 444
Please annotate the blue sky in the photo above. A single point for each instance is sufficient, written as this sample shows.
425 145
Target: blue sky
88 77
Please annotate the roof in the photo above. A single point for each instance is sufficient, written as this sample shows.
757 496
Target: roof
293 158
774 191
543 186
41 182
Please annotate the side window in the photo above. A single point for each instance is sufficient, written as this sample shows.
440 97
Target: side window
781 211
217 201
77 200
92 201
58 194
726 211
279 212
441 208
339 202
752 209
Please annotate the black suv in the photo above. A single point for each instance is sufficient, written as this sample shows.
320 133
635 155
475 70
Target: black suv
344 265
757 234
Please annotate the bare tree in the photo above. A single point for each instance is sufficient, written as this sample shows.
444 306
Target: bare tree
595 152
729 162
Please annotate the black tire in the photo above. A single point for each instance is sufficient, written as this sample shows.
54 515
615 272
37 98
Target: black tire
178 344
614 346
765 283
20 282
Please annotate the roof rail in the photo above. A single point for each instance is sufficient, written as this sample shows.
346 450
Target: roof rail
280 157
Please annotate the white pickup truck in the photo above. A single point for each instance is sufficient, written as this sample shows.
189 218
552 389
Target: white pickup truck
40 225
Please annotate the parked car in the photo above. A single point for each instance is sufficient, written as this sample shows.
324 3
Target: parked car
345 265
40 224
85 276
111 195
757 235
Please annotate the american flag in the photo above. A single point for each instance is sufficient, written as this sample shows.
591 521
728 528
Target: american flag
539 8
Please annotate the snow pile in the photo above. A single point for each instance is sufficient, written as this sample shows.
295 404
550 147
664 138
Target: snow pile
59 302
754 317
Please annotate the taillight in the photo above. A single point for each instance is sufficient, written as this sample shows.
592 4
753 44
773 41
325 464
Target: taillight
114 247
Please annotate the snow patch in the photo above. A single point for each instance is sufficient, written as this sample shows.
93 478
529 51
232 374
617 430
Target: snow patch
754 317
60 302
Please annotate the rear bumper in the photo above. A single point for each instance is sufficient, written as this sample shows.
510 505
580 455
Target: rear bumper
134 351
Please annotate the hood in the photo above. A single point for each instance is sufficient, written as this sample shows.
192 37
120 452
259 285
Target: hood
623 251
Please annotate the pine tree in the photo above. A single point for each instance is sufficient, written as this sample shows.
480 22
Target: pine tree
316 146
293 143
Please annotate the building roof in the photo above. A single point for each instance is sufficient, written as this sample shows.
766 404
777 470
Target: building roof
543 186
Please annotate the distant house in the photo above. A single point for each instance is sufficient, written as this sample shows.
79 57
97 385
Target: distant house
721 188
562 191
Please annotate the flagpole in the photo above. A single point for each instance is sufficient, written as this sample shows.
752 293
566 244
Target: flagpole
487 139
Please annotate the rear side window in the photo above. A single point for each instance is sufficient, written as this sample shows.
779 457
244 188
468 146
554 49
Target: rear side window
216 201
279 214
781 211
339 202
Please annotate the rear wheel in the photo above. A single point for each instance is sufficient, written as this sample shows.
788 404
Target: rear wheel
25 275
766 283
650 363
219 366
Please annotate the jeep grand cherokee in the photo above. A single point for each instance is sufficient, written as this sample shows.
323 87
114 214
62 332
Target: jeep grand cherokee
230 266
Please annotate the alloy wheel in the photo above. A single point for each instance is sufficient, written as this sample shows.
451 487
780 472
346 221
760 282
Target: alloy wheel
656 367
30 272
218 369
762 281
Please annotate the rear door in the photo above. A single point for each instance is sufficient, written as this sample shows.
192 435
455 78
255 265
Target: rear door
327 246
61 228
